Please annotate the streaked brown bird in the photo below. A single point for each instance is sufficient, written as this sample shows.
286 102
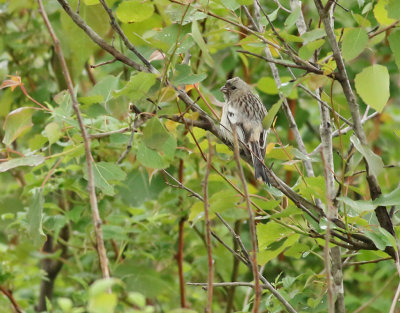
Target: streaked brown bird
245 110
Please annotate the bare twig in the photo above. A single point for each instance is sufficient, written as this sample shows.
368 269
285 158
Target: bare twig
10 297
366 262
283 62
101 250
103 63
252 224
384 29
208 231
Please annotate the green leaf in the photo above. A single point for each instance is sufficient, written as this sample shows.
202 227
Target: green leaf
293 17
53 132
381 14
313 186
273 251
378 238
359 205
394 41
245 2
313 35
392 198
390 240
138 86
34 218
137 298
269 233
17 122
131 11
354 42
393 9
100 300
307 51
184 75
372 84
91 2
231 4
32 160
105 174
374 161
102 91
267 85
153 158
198 38
269 118
155 134
176 11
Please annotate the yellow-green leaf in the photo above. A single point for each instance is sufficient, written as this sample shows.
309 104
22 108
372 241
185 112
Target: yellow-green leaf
372 85
134 11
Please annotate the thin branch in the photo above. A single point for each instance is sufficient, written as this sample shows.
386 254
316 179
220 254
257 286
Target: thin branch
10 297
103 63
208 231
118 29
255 33
366 262
182 186
97 39
326 105
283 62
101 250
380 31
227 284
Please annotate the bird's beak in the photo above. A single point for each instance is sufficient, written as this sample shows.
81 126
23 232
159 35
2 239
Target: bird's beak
224 89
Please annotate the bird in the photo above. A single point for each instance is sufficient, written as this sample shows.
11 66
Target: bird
244 111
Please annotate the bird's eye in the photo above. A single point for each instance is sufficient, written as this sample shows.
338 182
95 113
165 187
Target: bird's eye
233 87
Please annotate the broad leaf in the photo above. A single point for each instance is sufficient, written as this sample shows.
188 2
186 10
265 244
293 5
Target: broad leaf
269 118
392 198
184 75
155 134
16 123
34 218
359 205
372 84
32 160
354 42
394 41
105 174
374 161
138 86
53 132
130 11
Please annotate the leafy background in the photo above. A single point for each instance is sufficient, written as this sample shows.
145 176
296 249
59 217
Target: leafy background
44 179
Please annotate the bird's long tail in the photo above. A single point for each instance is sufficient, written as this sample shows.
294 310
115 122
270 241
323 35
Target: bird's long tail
259 167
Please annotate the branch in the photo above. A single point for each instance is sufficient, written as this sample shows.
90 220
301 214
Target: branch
101 250
284 63
97 39
208 231
10 297
375 190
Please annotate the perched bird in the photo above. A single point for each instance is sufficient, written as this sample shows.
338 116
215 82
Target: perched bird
245 110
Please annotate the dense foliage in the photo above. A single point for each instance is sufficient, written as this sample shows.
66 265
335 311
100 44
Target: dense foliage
152 225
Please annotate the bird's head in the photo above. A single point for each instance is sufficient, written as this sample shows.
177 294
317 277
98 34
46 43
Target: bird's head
234 88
